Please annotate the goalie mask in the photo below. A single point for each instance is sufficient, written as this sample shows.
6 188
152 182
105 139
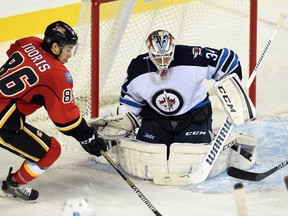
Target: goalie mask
61 33
161 45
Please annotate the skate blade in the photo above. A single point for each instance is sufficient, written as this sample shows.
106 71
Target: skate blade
12 197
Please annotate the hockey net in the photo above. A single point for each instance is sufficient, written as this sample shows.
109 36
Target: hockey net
111 33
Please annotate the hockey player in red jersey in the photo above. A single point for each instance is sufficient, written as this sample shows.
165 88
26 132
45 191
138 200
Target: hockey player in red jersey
35 76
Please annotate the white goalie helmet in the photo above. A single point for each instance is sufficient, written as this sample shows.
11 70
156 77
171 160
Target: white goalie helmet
161 45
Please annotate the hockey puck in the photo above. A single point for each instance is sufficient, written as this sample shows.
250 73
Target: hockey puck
286 181
238 186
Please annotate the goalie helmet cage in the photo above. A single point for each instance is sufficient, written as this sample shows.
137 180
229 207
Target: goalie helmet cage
113 32
119 29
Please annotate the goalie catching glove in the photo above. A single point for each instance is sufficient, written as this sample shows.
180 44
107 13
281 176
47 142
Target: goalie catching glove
115 127
234 99
92 143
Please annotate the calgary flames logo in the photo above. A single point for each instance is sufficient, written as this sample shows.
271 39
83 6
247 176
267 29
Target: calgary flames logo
167 101
60 29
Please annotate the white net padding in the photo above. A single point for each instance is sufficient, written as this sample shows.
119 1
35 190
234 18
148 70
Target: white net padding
123 28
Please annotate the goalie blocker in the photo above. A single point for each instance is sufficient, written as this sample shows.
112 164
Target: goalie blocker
234 100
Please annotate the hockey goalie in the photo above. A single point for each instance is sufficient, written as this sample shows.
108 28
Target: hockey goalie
164 121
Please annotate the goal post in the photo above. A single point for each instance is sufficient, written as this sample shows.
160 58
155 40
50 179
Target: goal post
253 47
123 12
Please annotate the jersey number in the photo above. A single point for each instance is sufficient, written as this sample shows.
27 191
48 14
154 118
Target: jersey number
17 81
67 96
213 56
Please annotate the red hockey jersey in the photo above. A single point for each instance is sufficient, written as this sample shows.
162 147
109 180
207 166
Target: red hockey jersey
32 78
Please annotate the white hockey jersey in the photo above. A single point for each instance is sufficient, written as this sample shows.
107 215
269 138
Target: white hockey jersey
183 90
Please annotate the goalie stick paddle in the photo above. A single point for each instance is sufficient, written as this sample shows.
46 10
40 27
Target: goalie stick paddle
131 184
252 176
204 169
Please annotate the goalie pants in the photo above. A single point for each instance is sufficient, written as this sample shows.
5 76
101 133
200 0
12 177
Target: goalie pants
39 150
193 127
152 132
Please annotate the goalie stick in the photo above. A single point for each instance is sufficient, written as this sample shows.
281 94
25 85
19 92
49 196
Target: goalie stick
217 144
131 184
252 176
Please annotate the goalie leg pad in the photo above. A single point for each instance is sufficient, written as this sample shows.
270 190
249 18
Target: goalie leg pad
234 99
185 158
244 152
223 161
142 159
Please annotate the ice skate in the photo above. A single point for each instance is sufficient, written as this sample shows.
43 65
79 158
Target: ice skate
13 189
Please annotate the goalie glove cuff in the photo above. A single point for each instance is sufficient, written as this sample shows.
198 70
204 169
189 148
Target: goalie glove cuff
135 122
125 121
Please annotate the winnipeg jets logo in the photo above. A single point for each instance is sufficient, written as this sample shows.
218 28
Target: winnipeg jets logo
167 101
39 133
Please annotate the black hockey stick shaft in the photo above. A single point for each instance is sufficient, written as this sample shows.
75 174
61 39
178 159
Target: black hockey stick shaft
131 184
252 176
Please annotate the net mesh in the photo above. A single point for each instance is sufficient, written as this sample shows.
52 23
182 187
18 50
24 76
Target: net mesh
124 27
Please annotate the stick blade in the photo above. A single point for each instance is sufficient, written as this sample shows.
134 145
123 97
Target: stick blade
171 179
242 174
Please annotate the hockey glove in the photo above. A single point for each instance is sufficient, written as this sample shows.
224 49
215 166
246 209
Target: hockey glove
115 127
235 100
125 121
93 144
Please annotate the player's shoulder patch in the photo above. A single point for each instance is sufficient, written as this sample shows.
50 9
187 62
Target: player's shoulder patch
196 51
68 76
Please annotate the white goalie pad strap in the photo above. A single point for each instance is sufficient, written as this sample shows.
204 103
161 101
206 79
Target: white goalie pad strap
126 121
234 99
245 155
142 159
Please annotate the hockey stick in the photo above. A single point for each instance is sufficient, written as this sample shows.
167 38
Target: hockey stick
131 184
282 17
217 144
252 176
